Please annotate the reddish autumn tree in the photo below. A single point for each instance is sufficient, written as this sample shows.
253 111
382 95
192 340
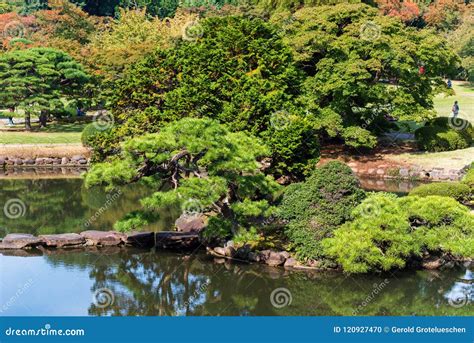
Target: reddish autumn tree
407 11
446 15
15 28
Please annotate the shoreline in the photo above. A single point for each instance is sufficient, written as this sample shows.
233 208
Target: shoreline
27 245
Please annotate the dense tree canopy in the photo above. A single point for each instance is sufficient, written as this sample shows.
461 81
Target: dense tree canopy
232 69
363 67
37 80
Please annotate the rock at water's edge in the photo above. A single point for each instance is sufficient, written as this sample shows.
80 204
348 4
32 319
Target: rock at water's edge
62 240
191 223
19 241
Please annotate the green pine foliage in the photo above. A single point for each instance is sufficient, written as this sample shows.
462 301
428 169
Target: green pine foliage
197 164
317 206
386 231
39 80
457 190
240 73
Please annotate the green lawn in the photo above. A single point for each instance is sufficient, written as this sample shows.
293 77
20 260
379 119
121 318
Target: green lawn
465 97
448 159
63 133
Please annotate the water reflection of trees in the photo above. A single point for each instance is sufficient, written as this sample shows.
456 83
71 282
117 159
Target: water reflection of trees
166 284
65 205
150 283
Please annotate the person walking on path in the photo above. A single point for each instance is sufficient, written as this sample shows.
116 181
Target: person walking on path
455 109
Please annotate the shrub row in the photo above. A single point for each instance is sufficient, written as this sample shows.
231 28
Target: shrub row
445 134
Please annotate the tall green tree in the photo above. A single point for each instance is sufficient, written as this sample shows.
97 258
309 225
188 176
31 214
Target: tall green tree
37 80
234 69
363 67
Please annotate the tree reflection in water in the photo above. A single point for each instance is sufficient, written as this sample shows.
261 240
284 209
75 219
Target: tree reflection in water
148 283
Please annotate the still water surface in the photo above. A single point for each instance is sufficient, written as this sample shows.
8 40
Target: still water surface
119 281
131 282
50 206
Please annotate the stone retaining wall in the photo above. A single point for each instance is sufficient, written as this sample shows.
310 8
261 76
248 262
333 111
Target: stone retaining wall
74 161
412 172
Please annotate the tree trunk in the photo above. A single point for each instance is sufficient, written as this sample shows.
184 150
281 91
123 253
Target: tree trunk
27 121
43 118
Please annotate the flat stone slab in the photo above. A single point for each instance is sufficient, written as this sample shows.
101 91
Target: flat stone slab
63 240
19 241
104 238
177 240
141 239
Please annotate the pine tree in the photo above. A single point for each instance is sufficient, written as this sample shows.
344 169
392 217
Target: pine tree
37 80
196 164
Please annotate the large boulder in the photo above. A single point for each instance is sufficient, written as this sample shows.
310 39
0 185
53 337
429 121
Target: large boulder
19 241
275 259
104 238
63 240
432 263
191 223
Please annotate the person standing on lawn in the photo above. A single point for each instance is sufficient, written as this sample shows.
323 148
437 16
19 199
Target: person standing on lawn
455 109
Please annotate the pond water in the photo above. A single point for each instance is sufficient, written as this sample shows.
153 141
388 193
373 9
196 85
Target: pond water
127 281
130 282
62 205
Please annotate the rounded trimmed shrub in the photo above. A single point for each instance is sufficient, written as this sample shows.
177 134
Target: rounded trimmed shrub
88 133
314 208
387 231
456 190
468 179
445 134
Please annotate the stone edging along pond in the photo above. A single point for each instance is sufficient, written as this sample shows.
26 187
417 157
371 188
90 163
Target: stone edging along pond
74 161
178 241
164 240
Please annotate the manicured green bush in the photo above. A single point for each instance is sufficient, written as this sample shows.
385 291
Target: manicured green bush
456 190
445 134
314 208
89 133
387 231
469 178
